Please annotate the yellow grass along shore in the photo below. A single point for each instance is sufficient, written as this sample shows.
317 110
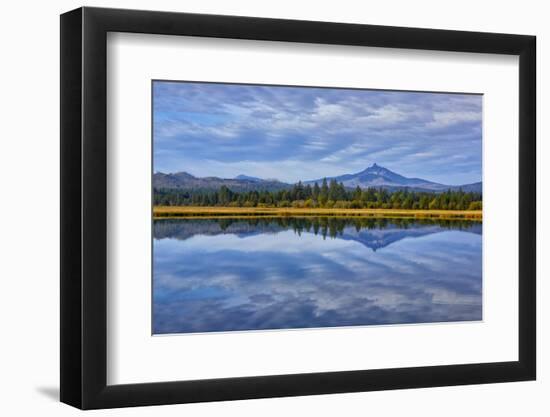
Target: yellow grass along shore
160 212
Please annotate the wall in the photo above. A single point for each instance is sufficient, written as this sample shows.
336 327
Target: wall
29 174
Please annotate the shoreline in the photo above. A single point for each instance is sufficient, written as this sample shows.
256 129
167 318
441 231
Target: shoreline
178 212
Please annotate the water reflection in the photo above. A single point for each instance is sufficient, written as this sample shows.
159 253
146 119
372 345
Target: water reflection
251 274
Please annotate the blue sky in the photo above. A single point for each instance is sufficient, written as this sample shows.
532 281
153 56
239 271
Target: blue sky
303 133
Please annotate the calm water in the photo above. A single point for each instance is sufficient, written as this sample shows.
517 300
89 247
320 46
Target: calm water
252 274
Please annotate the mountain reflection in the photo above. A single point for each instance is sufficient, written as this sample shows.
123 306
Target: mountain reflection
374 233
282 273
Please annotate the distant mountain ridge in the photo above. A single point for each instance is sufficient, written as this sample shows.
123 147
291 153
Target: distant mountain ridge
186 181
374 176
247 177
379 177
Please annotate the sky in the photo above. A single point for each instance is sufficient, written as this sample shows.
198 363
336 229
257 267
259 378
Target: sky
306 133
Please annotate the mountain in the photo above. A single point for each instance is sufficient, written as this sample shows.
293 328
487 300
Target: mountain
476 187
248 178
186 181
380 177
374 176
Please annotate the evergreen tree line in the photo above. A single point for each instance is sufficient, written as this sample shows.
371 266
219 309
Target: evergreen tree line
329 195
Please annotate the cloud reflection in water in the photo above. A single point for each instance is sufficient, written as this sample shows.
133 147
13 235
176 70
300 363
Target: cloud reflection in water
251 276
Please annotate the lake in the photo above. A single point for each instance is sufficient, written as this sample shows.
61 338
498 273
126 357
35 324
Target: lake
212 275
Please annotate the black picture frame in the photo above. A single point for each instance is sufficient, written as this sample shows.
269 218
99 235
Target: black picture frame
84 207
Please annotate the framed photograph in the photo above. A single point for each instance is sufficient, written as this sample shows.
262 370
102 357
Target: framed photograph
257 208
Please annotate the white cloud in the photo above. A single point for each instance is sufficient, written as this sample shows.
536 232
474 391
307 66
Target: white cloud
330 132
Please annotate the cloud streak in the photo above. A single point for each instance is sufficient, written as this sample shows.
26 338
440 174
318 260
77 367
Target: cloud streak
298 133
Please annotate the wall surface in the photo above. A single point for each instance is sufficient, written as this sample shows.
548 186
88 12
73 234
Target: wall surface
29 176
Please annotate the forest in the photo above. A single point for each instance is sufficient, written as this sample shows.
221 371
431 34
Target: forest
330 194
